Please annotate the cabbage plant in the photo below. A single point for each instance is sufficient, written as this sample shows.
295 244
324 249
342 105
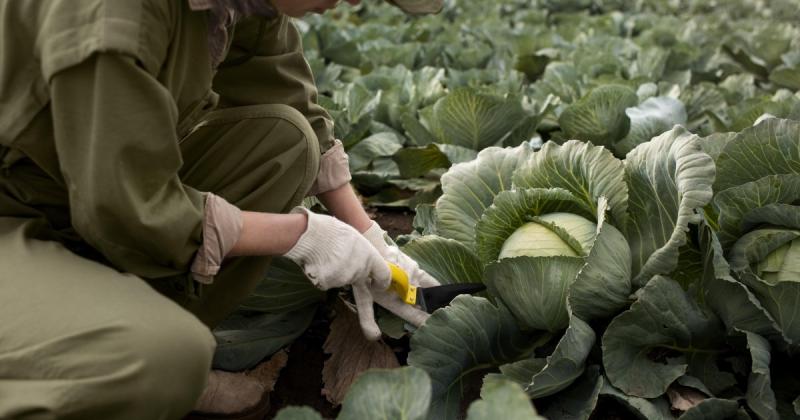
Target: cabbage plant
757 209
562 237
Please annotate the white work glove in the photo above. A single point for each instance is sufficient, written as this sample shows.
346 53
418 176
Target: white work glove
333 254
416 276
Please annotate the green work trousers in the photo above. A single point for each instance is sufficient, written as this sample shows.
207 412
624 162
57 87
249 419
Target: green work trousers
81 340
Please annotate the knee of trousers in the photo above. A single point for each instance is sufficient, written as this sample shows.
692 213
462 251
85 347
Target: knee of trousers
161 368
278 154
293 136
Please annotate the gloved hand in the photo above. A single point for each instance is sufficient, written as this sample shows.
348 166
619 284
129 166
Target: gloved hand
333 254
416 276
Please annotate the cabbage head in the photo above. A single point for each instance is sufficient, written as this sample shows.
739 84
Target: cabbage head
541 238
553 247
757 207
782 264
568 229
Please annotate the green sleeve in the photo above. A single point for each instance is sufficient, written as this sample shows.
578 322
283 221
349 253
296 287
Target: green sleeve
266 65
116 143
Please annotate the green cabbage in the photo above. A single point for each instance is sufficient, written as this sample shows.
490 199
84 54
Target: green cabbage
540 239
557 235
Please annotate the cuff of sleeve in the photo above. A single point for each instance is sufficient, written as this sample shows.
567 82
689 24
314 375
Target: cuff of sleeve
334 170
222 226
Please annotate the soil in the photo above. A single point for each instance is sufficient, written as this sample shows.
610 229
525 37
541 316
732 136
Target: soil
608 409
395 222
300 382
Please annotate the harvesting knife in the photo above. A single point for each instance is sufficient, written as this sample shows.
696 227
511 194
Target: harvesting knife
428 298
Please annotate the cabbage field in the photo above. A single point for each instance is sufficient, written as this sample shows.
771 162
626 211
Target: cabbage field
623 175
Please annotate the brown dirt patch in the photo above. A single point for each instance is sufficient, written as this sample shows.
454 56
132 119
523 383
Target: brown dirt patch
395 222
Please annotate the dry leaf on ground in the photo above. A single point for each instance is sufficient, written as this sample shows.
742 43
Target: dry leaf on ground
351 355
230 392
683 398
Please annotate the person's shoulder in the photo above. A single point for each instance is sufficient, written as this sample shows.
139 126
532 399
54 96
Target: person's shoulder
133 14
73 30
64 14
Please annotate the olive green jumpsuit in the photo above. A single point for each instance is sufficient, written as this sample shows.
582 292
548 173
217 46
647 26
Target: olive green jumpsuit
113 127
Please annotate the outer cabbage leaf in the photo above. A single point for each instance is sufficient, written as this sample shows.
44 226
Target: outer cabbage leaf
502 399
578 401
284 288
664 317
298 413
457 154
712 408
418 161
787 76
751 112
770 148
600 58
706 375
416 132
326 76
645 409
446 260
527 129
543 377
356 108
468 335
561 80
599 117
520 371
649 119
535 288
470 188
383 171
375 146
425 219
403 91
384 52
474 120
604 283
588 172
567 5
760 397
512 209
245 339
338 46
732 301
715 143
669 180
650 63
403 393
741 208
779 298
702 100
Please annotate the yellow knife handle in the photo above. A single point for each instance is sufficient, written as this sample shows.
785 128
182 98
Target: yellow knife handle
401 286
